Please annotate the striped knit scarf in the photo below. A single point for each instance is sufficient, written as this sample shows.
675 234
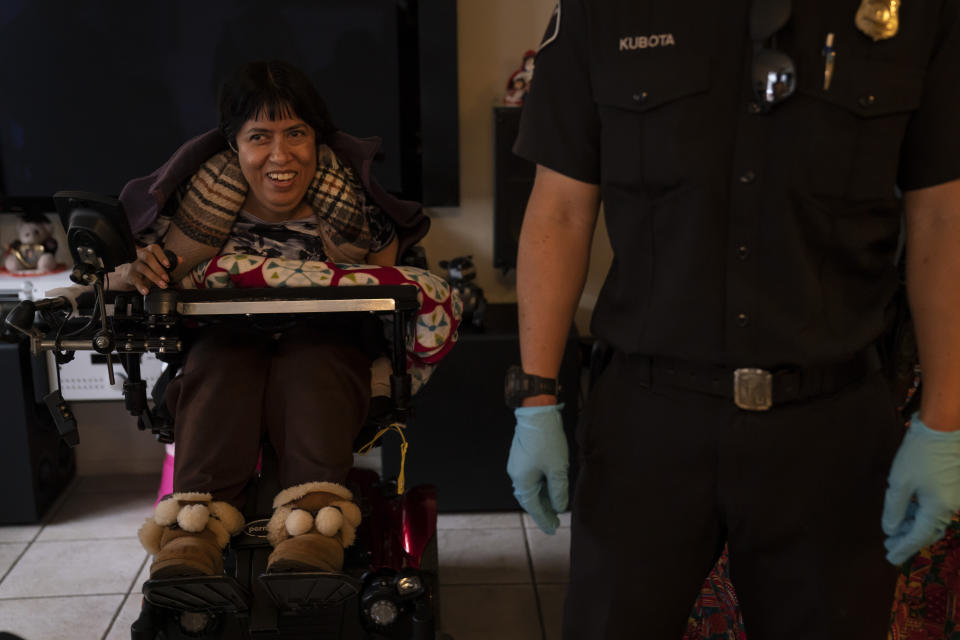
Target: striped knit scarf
216 192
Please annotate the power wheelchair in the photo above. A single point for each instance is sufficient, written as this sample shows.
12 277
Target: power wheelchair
388 587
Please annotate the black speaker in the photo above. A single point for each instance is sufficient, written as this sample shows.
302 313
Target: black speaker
35 464
461 430
513 180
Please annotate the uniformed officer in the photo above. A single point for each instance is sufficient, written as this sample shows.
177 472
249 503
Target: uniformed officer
751 161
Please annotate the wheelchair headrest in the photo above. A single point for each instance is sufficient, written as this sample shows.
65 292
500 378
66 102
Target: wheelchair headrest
98 232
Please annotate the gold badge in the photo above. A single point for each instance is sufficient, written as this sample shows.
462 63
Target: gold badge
879 19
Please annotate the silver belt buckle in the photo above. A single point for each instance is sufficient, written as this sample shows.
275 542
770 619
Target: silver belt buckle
753 389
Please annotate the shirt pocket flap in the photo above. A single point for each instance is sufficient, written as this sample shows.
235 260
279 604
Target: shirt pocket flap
867 88
647 84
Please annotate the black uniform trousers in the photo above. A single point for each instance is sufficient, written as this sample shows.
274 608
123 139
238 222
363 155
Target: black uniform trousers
668 475
307 388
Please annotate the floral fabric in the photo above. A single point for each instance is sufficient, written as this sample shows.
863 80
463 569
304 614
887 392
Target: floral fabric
435 326
716 613
299 239
292 239
926 604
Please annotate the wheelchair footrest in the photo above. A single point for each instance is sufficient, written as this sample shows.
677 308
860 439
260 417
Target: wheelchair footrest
300 591
198 593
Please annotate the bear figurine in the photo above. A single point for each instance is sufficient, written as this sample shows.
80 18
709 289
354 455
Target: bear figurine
34 250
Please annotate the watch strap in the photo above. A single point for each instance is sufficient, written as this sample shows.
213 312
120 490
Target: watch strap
521 385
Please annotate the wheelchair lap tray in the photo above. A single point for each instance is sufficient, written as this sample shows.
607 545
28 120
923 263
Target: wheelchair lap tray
439 308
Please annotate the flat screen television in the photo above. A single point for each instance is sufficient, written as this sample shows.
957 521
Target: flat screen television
96 92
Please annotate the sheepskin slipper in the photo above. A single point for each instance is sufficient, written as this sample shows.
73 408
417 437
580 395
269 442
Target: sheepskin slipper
307 552
319 507
187 535
311 525
184 554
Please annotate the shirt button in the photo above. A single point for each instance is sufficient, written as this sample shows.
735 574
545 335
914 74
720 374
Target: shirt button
867 101
754 108
640 96
743 252
743 320
748 177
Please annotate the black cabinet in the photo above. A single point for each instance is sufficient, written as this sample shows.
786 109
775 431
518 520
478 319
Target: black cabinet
35 464
461 431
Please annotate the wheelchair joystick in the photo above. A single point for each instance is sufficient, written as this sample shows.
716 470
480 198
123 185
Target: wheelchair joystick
172 259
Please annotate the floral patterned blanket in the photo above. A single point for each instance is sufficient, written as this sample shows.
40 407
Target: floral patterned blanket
716 613
926 604
436 323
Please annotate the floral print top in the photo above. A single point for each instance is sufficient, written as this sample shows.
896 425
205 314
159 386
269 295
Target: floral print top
296 239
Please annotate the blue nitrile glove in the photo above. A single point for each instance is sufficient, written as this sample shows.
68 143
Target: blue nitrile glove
927 467
538 464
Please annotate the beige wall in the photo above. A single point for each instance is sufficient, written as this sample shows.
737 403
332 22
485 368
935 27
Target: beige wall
493 34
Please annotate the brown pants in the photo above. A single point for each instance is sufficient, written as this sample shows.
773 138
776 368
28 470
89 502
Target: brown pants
305 388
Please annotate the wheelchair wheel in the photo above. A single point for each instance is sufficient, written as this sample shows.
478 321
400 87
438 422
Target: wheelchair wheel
146 626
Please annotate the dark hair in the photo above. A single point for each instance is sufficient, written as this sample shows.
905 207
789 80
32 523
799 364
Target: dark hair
276 88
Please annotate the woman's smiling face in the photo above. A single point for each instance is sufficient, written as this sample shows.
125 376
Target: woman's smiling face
278 159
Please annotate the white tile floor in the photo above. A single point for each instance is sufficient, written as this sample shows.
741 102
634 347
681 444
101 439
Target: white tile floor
77 575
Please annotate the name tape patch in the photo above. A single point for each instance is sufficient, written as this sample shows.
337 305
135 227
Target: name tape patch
652 41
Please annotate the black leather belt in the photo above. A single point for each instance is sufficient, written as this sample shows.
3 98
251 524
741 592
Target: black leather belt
757 389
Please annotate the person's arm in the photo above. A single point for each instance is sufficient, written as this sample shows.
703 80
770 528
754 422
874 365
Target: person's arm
933 271
386 257
149 269
923 493
552 266
552 261
123 278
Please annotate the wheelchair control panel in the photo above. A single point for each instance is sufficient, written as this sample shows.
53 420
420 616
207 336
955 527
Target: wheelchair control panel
123 325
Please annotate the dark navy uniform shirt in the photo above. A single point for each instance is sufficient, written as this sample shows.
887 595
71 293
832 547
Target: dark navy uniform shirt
741 237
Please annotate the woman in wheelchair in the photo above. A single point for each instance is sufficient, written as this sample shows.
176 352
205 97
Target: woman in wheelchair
278 190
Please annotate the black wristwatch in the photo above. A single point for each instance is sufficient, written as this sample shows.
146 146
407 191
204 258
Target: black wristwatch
519 385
